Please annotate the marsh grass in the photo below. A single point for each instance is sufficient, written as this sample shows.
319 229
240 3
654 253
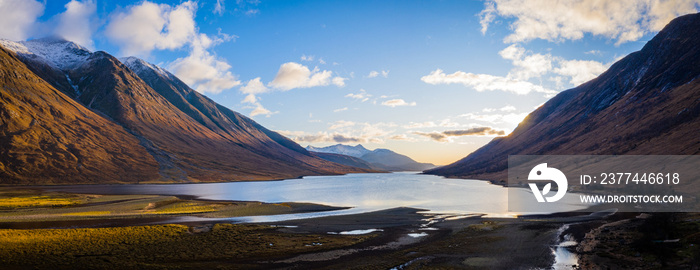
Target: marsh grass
33 205
37 201
156 247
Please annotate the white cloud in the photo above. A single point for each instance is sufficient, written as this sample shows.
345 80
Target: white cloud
307 58
219 7
486 16
342 124
142 28
78 22
345 132
18 17
260 110
594 52
341 109
254 86
496 118
148 26
294 75
339 81
362 95
426 124
374 73
507 108
580 71
484 82
397 102
448 123
401 137
622 20
526 66
202 70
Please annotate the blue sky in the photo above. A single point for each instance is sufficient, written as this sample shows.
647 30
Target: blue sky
433 80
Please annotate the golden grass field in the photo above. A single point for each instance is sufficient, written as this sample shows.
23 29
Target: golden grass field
33 205
158 247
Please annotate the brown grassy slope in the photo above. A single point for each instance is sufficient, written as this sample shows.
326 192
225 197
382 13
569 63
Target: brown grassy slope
186 149
47 137
646 103
231 125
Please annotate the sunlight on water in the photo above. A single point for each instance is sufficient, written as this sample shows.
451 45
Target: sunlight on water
362 192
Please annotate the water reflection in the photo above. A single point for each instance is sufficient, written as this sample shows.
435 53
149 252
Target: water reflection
362 192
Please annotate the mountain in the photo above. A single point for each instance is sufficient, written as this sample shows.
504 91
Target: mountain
647 103
347 160
47 137
378 159
173 133
353 151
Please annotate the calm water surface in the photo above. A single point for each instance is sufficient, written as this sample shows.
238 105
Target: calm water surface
362 192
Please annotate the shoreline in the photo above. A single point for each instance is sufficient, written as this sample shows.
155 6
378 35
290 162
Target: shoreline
385 239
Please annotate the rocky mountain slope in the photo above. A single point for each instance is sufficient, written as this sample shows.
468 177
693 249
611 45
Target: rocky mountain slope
646 103
378 159
175 133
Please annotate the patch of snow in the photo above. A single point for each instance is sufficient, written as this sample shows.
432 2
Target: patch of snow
138 65
353 151
56 52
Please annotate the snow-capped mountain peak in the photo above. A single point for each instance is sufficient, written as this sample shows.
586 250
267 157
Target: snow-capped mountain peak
138 65
54 51
353 151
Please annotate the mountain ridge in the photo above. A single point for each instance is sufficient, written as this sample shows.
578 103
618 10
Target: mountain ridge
378 159
646 103
190 137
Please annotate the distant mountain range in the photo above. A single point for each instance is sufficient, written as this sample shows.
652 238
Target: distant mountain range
648 103
378 159
69 115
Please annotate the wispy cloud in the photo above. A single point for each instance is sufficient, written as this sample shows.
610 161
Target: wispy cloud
497 118
374 74
362 95
397 103
622 20
307 58
484 82
526 66
219 7
445 136
507 108
251 89
341 109
427 124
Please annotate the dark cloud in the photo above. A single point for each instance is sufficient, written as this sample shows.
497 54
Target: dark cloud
339 138
477 131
